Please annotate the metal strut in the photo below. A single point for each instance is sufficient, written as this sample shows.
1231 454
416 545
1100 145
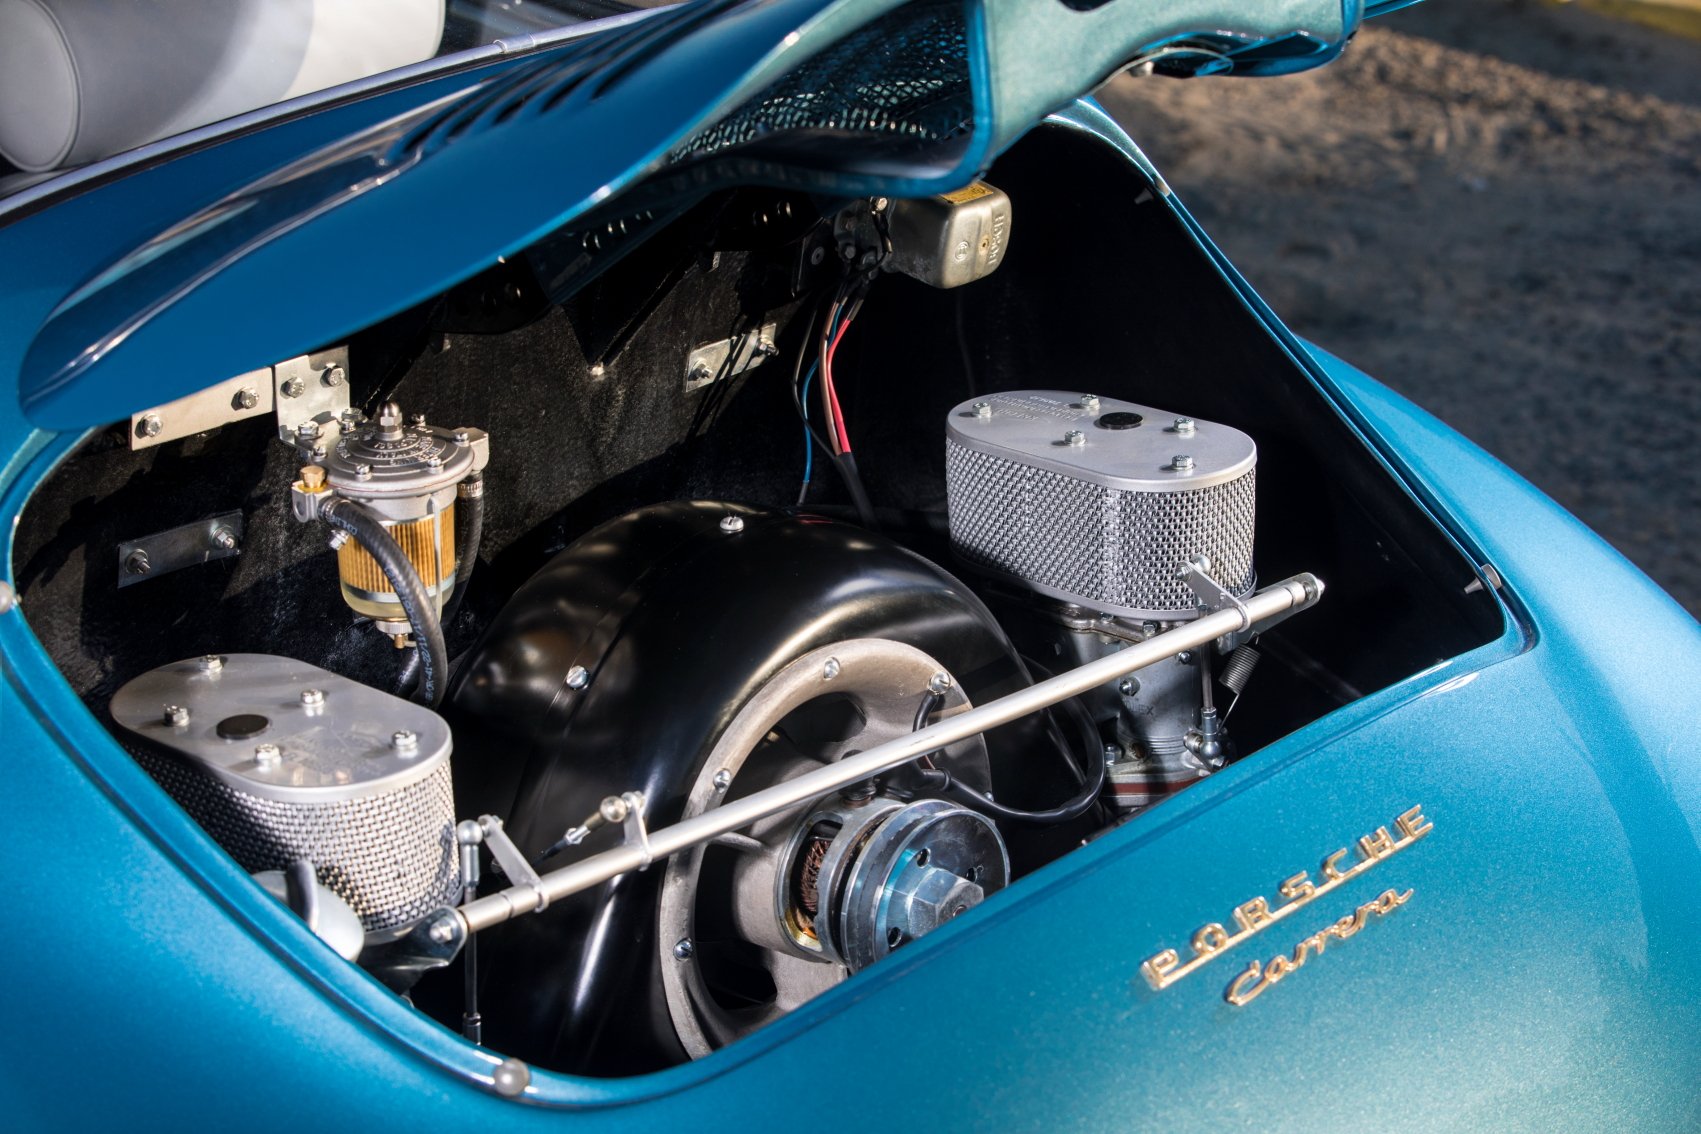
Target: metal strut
1261 609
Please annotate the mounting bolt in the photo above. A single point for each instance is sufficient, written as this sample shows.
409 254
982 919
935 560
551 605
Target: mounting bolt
362 472
983 409
338 538
938 683
462 437
578 677
8 597
817 254
683 948
292 388
1181 462
417 420
246 398
1074 437
150 425
137 562
732 525
442 930
307 430
267 755
831 669
598 371
766 349
312 697
1112 753
1090 402
224 538
404 740
701 373
723 780
1185 426
1185 657
176 716
1128 686
212 663
333 375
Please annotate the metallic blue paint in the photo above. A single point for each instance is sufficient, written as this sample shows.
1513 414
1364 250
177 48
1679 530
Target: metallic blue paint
614 107
1541 977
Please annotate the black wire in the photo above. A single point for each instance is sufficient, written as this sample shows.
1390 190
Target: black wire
1092 769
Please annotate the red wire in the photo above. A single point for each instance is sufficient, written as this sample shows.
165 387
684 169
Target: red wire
832 391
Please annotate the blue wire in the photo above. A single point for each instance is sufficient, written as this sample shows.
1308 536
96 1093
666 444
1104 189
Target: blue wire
808 439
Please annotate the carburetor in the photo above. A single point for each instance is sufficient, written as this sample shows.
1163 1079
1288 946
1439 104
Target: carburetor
408 475
1130 520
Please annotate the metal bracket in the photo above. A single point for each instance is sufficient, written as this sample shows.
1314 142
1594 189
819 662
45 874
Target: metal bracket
1212 595
246 395
203 541
729 357
311 387
637 835
506 854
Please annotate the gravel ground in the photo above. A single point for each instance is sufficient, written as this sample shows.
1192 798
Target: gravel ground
1495 208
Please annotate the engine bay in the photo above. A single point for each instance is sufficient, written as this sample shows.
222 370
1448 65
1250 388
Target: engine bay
666 625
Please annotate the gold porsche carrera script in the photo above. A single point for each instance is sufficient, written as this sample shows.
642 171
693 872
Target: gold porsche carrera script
1256 915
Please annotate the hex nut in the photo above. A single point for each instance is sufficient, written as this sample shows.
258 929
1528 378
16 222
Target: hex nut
1181 463
292 388
333 375
1074 437
404 740
312 697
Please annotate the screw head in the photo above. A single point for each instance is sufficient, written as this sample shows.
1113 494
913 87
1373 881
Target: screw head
732 525
1181 463
224 539
212 663
817 255
938 683
1185 426
404 740
983 409
417 420
150 425
307 430
1074 437
1112 753
723 780
292 388
442 930
312 697
683 949
578 677
176 716
267 755
333 375
1128 686
831 669
338 538
462 437
137 562
246 398
1090 402
362 472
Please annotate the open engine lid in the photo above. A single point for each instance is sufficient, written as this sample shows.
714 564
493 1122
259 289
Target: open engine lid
796 93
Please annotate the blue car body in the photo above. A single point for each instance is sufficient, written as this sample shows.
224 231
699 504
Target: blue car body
1536 970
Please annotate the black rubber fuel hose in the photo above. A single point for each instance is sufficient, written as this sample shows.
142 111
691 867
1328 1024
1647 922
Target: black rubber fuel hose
940 780
469 530
350 517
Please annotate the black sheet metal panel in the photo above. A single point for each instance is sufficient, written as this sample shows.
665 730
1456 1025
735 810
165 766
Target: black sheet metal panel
677 624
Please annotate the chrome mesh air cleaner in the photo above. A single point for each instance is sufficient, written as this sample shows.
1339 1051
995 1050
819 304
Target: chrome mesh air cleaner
1097 501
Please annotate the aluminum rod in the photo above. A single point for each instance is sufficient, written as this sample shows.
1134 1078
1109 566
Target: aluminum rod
1285 597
